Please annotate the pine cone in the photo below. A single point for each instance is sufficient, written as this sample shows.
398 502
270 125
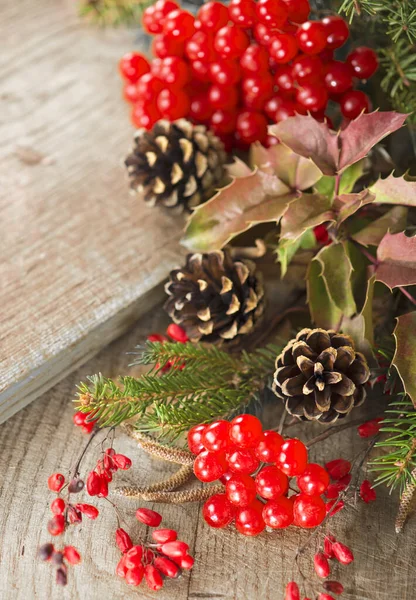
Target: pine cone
176 164
320 376
215 298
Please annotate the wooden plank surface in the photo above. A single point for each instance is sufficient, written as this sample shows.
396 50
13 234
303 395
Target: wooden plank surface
41 439
80 258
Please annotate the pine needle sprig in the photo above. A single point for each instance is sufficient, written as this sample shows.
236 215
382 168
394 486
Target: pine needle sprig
113 12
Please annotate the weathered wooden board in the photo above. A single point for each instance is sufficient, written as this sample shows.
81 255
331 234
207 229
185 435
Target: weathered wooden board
80 259
41 440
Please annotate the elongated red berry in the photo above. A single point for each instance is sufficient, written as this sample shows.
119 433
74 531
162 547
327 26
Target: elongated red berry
148 517
186 562
325 597
123 540
134 576
56 525
122 462
369 428
153 577
72 555
88 510
292 591
333 586
74 515
56 482
334 490
164 535
93 484
338 468
367 493
328 541
175 549
334 506
342 553
58 506
166 567
177 333
321 564
134 557
121 568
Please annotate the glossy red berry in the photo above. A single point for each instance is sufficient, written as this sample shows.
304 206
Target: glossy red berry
255 59
278 514
176 549
212 16
245 431
249 520
272 13
201 109
333 586
166 567
164 45
297 10
283 48
186 562
175 71
279 109
285 82
218 511
123 540
338 77
225 72
72 555
338 468
243 13
293 457
241 490
271 483
263 34
56 525
311 37
257 90
313 97
153 578
134 557
131 95
134 576
314 480
177 333
93 483
132 66
179 25
267 450
56 482
325 597
336 30
223 122
342 553
292 591
321 564
148 87
223 97
148 517
215 436
209 466
353 103
88 510
195 444
173 104
58 506
164 535
200 47
363 61
242 460
308 511
307 69
367 492
230 42
328 541
370 428
154 15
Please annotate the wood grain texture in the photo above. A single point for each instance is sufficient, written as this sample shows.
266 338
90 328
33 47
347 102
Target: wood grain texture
80 258
41 439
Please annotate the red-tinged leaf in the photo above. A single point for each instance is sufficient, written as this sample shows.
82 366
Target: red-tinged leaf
324 312
308 211
336 273
258 198
357 139
396 257
311 139
394 221
348 204
404 358
297 172
238 168
395 190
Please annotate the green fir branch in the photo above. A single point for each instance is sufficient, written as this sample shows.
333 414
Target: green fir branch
114 12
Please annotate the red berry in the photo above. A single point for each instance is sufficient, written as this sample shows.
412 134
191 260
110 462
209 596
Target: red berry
338 468
209 466
133 557
121 568
148 87
255 59
243 13
293 457
166 567
321 565
328 541
271 483
56 482
242 460
333 586
173 104
201 109
307 69
186 562
201 47
74 515
257 90
271 12
88 510
195 444
225 72
364 62
223 97
342 553
367 493
175 71
230 42
223 122
175 549
308 511
218 511
134 576
164 45
298 10
123 540
314 480
292 591
58 506
369 428
267 450
279 109
251 126
162 8
132 66
311 37
278 514
56 525
353 103
334 490
312 97
249 520
148 517
179 25
325 597
79 418
164 535
177 333
215 437
130 94
241 489
263 34
336 30
212 16
283 48
121 462
72 555
338 77
334 506
246 431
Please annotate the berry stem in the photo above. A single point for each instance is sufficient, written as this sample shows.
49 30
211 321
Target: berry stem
87 445
408 295
336 429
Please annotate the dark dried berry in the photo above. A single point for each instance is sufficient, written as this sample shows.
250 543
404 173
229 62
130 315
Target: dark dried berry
45 552
333 586
76 486
61 578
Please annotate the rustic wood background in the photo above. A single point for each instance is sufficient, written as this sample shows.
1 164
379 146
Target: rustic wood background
80 258
41 439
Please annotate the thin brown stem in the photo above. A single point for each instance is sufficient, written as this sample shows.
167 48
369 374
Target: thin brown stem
336 429
408 295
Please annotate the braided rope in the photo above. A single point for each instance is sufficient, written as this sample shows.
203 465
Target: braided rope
406 503
195 495
151 446
171 483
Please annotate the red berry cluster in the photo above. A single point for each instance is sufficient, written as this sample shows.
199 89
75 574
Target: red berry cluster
82 421
256 495
237 68
177 334
166 557
100 477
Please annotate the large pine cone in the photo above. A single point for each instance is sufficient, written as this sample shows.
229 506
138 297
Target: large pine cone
215 298
176 164
320 376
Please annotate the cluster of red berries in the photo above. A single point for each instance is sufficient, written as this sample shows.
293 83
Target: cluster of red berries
255 495
175 333
99 478
237 68
61 558
81 420
165 557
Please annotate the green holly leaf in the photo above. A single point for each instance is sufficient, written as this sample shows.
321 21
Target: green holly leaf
324 312
360 327
350 176
337 275
394 221
395 190
396 260
287 249
404 358
308 211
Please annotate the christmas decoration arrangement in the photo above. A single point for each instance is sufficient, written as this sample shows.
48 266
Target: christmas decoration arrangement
316 206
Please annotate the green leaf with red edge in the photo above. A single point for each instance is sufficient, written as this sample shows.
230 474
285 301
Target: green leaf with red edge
396 258
404 358
324 312
394 221
395 190
246 201
308 211
348 204
337 275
